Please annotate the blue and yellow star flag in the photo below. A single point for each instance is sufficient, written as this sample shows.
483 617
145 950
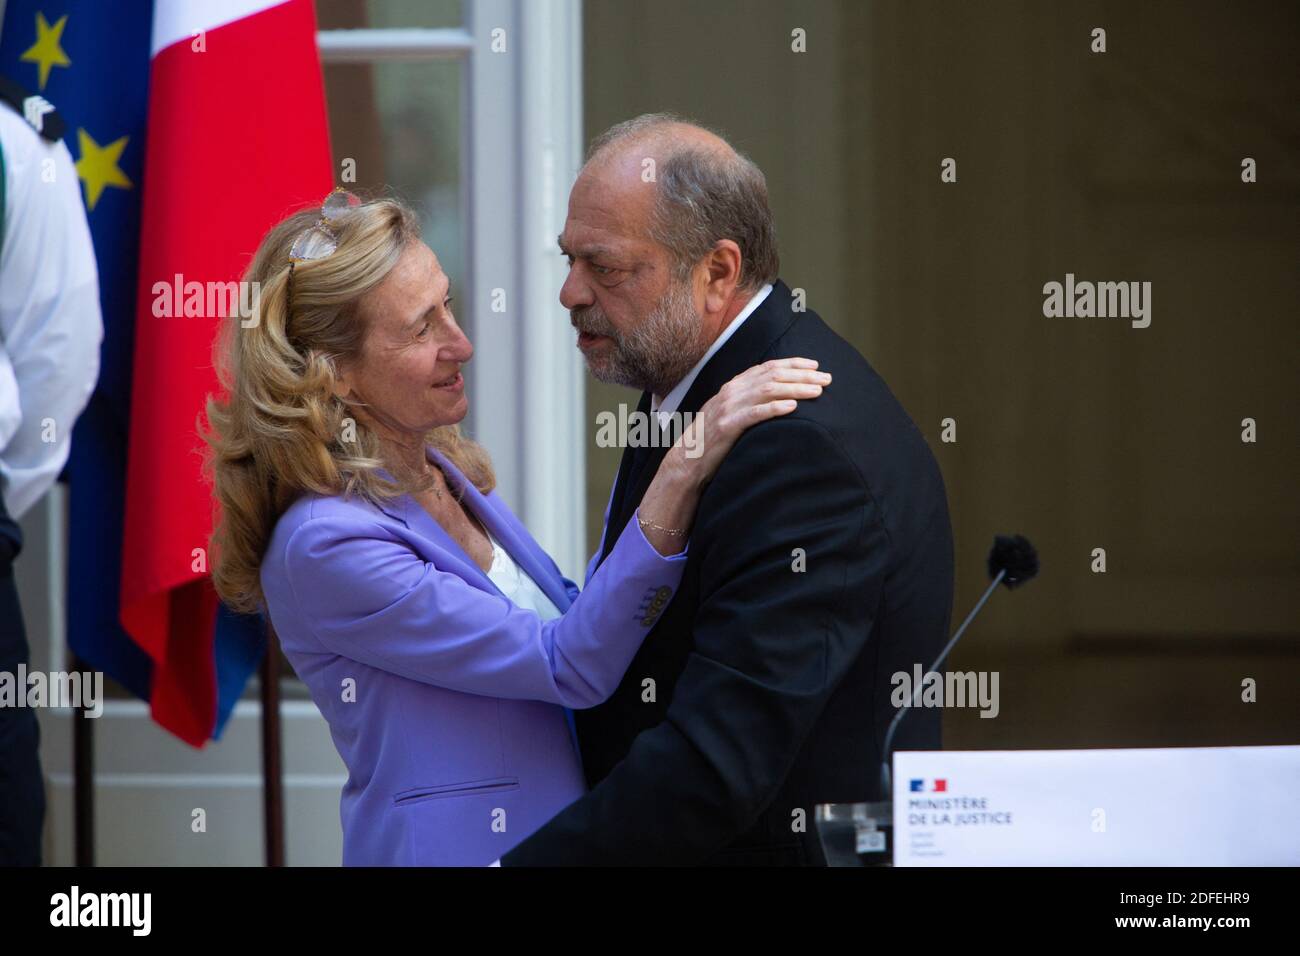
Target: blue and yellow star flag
91 60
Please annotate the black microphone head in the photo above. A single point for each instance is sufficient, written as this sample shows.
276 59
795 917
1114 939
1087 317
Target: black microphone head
1017 556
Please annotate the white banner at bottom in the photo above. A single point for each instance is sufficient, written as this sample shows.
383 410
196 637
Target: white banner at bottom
1194 806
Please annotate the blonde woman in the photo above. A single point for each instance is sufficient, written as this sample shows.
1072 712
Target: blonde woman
440 642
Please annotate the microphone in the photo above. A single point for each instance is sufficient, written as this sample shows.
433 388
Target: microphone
1012 561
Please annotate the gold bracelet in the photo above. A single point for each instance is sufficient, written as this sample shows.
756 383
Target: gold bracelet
650 524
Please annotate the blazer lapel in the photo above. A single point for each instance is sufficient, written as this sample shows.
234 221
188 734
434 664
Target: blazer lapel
522 547
406 510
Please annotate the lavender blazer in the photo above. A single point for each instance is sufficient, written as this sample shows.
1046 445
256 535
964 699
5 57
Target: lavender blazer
445 700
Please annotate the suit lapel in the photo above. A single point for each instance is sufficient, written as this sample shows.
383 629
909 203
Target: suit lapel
746 347
617 514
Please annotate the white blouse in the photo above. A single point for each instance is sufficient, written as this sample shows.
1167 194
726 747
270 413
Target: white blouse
516 584
521 589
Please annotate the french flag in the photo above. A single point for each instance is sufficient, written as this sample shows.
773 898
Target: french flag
237 139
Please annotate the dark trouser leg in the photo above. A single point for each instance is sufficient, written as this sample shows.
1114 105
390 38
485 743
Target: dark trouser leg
22 791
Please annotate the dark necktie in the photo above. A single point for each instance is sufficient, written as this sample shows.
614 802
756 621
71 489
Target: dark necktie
624 503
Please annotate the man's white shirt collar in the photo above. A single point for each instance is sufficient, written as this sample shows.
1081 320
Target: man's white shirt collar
674 398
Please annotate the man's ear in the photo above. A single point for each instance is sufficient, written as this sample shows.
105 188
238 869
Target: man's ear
723 263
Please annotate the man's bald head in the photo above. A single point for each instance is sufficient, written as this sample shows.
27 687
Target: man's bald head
657 135
705 191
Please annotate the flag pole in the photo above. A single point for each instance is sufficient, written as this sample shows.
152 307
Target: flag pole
272 767
83 781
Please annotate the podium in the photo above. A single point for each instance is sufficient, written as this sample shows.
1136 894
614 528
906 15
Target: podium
1194 806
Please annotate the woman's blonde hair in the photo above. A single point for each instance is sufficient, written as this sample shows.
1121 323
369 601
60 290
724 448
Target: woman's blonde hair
280 432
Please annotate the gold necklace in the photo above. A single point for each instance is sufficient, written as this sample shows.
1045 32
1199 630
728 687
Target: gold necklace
428 480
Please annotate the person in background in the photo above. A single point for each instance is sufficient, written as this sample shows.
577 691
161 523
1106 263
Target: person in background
50 332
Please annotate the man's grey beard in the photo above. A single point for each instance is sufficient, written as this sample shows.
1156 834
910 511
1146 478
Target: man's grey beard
658 352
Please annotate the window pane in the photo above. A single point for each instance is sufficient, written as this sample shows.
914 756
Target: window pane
400 123
381 14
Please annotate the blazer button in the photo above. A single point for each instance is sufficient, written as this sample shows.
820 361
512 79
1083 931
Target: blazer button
656 605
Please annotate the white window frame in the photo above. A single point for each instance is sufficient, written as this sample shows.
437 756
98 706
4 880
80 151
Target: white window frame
521 122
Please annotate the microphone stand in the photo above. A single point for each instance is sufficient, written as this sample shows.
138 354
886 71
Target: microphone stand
862 834
886 784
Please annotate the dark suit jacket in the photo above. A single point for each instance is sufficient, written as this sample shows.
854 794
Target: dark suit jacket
771 685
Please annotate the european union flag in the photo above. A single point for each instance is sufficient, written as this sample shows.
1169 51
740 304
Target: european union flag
90 59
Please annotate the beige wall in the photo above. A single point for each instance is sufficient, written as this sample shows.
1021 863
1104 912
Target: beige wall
1079 432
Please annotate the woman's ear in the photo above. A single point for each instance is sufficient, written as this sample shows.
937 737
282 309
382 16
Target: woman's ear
342 386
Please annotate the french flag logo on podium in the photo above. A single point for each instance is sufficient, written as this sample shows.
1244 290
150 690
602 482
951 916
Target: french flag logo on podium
940 786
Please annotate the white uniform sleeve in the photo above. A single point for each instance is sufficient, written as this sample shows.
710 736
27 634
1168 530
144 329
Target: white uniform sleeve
50 323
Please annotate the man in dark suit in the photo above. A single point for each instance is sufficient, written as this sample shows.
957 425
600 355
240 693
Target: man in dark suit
820 561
